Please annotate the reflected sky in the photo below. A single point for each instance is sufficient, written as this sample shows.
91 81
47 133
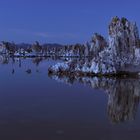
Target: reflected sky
33 105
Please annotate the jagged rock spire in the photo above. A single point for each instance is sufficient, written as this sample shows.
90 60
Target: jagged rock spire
98 43
123 35
123 42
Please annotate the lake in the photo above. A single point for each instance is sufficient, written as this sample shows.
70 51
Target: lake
38 106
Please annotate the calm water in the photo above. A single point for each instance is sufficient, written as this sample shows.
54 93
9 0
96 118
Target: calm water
35 106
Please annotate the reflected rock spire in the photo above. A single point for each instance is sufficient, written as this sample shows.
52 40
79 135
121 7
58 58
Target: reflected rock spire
123 94
123 100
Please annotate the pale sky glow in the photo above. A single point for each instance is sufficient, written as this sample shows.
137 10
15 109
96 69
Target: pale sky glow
61 21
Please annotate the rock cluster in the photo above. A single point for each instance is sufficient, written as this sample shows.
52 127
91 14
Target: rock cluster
121 54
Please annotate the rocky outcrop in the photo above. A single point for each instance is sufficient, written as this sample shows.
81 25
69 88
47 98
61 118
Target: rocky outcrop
124 33
98 43
124 44
120 55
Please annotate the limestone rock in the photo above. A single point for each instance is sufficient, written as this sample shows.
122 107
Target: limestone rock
123 43
98 43
120 55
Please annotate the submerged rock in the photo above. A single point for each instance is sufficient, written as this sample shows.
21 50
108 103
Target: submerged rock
28 71
120 55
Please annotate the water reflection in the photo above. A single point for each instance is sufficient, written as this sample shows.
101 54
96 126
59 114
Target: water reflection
37 61
123 94
21 62
4 59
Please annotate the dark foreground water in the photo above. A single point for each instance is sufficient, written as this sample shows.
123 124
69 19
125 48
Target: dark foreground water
35 106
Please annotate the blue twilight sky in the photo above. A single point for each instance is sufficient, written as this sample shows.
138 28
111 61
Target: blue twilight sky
61 21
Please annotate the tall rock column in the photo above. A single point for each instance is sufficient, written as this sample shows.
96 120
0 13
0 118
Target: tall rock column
123 41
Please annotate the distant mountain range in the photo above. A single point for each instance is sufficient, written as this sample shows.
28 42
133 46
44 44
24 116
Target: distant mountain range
27 45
